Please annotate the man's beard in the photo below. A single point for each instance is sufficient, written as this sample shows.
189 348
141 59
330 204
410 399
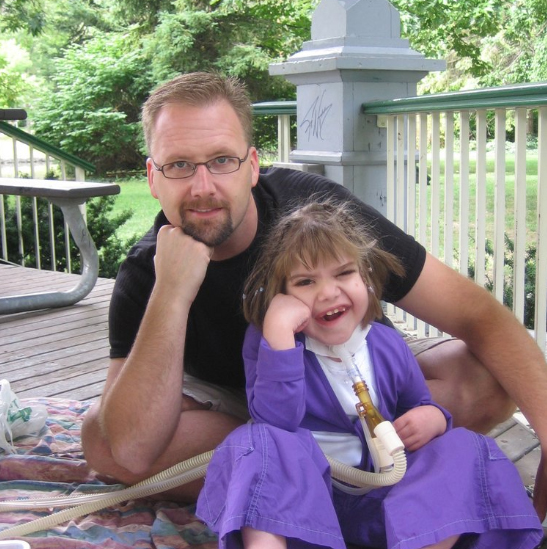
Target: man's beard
211 233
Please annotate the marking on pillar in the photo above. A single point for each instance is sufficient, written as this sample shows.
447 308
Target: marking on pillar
314 119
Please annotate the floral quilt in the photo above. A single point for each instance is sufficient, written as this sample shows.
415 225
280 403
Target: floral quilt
52 463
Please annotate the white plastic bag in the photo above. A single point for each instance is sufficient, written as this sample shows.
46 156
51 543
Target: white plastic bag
16 420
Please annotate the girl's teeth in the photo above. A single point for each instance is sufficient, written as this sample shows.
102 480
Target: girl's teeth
334 314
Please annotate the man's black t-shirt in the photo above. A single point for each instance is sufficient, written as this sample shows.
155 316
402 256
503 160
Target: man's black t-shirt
216 326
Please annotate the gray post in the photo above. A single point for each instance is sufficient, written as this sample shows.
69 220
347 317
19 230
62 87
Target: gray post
356 55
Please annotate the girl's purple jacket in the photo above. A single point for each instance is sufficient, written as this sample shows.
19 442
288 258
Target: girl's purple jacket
271 475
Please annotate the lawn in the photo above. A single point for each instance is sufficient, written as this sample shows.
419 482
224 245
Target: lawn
531 199
135 196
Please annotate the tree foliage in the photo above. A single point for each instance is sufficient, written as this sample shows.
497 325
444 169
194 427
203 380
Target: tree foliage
12 84
22 14
97 60
441 28
94 112
98 83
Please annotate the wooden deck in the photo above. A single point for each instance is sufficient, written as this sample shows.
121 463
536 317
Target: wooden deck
55 352
64 353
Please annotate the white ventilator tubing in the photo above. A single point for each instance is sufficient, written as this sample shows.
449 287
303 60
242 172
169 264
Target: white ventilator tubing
386 448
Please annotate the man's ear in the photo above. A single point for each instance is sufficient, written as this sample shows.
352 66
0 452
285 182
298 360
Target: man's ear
151 172
255 166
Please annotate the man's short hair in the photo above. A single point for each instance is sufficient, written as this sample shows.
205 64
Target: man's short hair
198 89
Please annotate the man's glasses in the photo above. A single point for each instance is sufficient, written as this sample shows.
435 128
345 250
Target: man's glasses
182 169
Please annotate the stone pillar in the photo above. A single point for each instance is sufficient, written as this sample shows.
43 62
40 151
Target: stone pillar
355 55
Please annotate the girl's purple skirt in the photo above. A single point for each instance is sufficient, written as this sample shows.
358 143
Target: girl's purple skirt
279 481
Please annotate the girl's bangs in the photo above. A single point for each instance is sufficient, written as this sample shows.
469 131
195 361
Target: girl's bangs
313 247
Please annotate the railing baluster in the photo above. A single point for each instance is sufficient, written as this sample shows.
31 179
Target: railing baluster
52 237
400 170
3 229
464 193
402 160
15 158
480 200
284 137
410 225
449 190
422 189
541 250
435 186
36 232
390 180
19 224
411 186
435 183
390 168
499 205
519 240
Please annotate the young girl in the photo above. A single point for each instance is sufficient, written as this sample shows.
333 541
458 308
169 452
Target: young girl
315 287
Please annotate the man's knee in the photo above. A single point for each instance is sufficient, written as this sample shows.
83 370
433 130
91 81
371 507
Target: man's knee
460 383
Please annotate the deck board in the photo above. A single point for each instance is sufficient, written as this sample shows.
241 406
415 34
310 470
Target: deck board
63 353
54 352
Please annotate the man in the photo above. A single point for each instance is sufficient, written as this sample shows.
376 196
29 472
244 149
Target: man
175 378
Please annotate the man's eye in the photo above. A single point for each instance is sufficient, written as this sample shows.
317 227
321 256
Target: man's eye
180 165
222 160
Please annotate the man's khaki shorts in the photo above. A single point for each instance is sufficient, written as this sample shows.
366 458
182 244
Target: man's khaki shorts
233 401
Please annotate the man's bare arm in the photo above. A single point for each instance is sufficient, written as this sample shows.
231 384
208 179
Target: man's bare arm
447 300
143 397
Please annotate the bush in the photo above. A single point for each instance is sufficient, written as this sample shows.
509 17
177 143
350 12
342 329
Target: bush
102 227
94 109
508 290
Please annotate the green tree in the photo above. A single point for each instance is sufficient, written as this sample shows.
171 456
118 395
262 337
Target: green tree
12 84
68 23
518 51
94 112
22 14
97 86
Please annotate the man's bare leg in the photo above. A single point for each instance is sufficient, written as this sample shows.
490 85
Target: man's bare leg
199 431
460 383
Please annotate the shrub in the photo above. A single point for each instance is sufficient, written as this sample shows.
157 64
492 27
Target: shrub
102 226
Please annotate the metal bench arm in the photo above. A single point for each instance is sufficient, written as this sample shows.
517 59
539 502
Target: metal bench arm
69 196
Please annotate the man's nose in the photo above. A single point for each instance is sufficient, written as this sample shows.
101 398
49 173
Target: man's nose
202 182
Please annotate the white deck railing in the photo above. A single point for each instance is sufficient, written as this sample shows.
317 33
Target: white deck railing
474 183
469 184
34 158
457 183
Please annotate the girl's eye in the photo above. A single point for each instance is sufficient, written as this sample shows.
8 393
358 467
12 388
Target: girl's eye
303 282
347 272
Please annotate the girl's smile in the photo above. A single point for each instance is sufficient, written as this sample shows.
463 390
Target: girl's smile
336 295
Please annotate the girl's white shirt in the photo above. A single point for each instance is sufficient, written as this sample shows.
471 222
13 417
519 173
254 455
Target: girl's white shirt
345 447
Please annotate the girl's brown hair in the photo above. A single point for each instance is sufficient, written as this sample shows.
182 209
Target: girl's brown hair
322 229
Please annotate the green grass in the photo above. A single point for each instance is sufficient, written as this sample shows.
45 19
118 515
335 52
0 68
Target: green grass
135 196
531 198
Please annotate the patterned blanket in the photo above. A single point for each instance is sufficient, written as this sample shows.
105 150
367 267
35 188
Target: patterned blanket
53 464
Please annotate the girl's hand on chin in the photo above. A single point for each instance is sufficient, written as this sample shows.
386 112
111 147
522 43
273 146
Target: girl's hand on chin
285 317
